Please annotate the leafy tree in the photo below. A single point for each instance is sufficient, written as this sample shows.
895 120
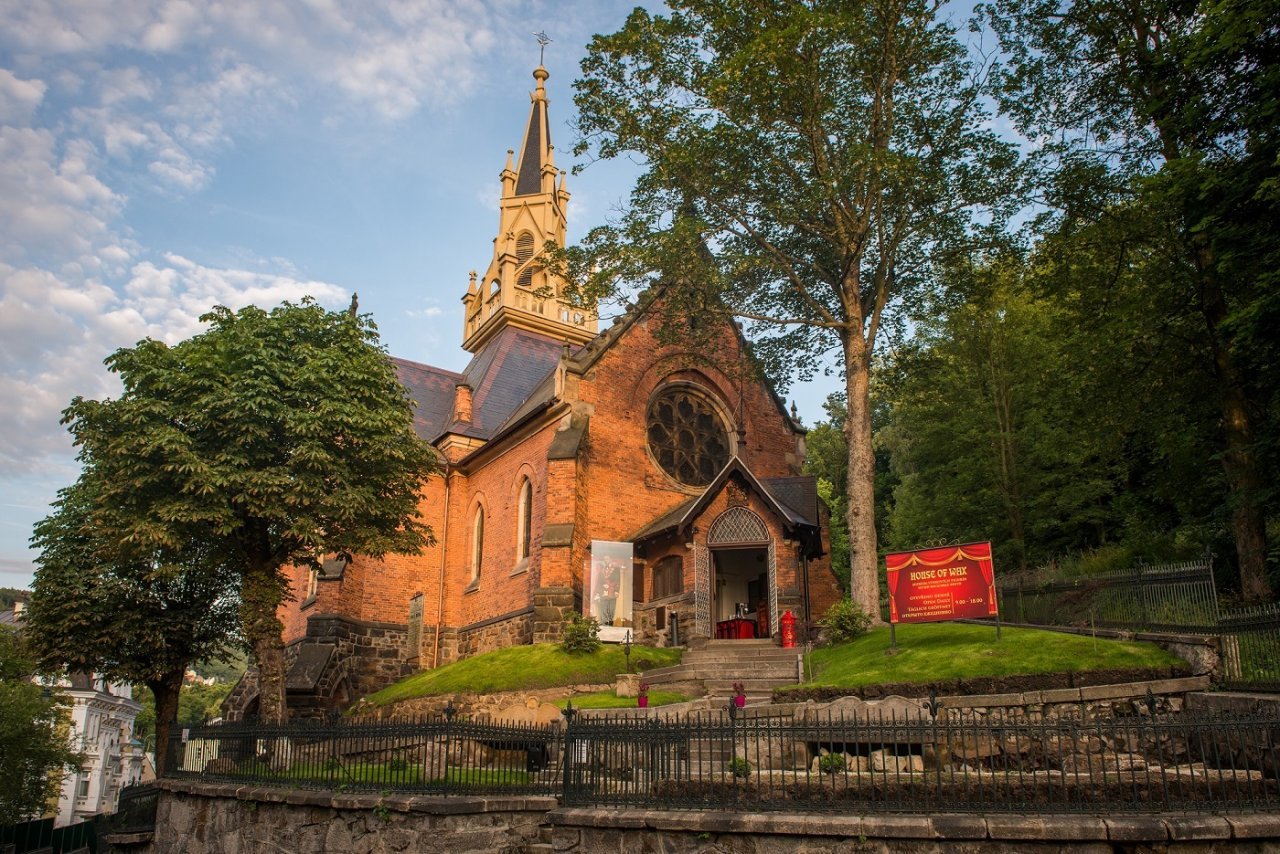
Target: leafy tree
807 163
272 438
9 595
129 617
35 742
1170 110
991 434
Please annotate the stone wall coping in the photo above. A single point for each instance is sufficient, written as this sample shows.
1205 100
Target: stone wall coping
398 802
948 826
1120 690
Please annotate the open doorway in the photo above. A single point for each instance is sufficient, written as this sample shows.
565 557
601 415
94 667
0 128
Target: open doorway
740 606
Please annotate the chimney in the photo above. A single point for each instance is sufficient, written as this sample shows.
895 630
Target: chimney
462 403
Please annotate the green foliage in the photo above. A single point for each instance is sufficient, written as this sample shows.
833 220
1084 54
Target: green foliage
1159 162
35 747
610 700
581 635
521 668
130 615
9 595
934 652
845 621
271 438
832 763
739 768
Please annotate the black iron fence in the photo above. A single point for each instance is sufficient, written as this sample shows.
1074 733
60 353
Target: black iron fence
1175 597
1004 763
1250 641
1168 597
917 762
41 837
439 755
135 809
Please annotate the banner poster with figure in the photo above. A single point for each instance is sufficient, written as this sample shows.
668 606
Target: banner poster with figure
947 583
609 588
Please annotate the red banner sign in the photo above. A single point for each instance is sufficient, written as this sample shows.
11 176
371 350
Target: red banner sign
941 584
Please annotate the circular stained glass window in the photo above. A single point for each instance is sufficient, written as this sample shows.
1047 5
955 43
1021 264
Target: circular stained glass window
687 436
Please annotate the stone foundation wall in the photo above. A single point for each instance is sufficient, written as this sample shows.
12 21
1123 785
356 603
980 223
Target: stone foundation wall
551 605
196 818
499 633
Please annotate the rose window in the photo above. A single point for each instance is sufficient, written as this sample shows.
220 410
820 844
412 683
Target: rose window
687 437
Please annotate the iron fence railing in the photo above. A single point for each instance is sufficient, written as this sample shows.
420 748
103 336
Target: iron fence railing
1005 763
1250 641
41 837
135 809
1175 597
440 755
932 760
1167 597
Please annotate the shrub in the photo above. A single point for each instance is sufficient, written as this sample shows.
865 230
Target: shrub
845 621
832 763
581 635
397 765
740 768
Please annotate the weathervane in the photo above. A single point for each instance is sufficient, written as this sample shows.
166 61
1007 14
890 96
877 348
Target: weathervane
543 41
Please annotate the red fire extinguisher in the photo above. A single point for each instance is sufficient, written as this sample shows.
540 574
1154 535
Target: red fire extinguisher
788 630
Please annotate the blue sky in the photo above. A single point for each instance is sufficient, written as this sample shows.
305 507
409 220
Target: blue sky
158 157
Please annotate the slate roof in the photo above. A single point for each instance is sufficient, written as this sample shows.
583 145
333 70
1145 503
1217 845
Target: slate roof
502 376
431 390
793 498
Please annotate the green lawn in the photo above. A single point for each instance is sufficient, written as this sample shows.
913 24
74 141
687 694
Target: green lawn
521 668
930 652
610 700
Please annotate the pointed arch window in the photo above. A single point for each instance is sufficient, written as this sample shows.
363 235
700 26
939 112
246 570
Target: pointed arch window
477 544
524 520
524 251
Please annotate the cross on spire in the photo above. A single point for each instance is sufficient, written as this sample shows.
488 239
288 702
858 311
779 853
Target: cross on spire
543 41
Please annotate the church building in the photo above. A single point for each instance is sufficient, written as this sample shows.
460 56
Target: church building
582 471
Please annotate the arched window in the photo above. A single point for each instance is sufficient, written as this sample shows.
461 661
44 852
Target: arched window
687 437
477 544
524 251
524 520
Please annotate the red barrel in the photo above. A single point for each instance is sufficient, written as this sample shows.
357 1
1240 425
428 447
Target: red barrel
788 630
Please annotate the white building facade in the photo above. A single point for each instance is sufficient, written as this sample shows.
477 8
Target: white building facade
102 718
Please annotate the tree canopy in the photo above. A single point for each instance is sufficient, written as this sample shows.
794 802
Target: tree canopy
272 438
1156 130
133 619
35 737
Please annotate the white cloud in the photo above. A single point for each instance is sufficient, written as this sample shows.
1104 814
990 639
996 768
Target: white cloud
19 98
55 332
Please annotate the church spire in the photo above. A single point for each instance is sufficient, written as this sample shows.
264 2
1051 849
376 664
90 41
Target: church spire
516 289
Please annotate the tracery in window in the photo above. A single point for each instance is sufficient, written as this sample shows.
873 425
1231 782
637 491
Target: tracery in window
686 436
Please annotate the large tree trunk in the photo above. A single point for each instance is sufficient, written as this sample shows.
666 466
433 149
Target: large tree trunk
261 593
1239 461
166 691
864 567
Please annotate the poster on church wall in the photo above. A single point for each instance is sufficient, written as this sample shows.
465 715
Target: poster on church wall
948 583
609 588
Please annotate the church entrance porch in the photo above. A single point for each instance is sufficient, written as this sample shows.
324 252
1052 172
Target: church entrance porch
735 578
740 601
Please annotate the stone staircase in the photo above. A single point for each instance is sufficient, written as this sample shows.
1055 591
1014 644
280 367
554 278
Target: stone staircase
711 670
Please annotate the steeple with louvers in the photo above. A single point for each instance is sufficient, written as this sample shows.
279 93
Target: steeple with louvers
516 290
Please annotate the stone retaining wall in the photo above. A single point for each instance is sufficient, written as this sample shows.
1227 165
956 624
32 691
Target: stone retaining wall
195 818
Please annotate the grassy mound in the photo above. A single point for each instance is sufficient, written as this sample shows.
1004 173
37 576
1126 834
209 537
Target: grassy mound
942 652
521 668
